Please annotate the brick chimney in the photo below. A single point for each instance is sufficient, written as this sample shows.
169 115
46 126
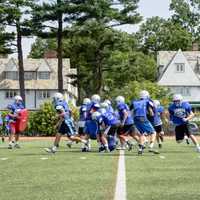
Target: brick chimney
195 46
50 54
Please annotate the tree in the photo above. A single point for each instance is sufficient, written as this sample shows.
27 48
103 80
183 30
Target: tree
100 18
186 13
5 42
14 13
158 34
40 46
52 20
131 91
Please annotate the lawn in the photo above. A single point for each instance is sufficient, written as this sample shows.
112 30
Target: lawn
30 173
69 174
172 175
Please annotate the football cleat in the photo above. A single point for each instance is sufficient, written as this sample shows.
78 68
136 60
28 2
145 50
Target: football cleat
50 150
153 151
17 146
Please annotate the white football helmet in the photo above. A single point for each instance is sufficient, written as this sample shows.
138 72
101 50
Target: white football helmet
86 101
104 105
108 102
156 103
96 98
120 99
144 94
18 98
58 96
177 97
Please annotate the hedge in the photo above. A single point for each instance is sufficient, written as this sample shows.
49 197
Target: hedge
42 122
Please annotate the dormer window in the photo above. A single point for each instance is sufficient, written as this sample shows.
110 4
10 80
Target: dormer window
180 67
29 75
44 75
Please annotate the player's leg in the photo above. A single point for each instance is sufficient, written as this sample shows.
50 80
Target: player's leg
17 135
192 137
11 136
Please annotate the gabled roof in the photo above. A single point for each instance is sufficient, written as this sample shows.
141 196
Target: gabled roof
34 65
44 66
11 66
170 77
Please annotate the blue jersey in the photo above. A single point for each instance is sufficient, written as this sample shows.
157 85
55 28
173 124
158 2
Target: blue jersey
178 112
122 108
140 108
110 119
62 103
110 109
83 112
157 115
92 106
14 108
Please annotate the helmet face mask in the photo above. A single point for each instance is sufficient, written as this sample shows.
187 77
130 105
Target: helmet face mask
59 109
177 99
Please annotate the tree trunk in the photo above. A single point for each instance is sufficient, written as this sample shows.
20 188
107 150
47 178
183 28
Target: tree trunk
60 50
99 80
78 85
20 62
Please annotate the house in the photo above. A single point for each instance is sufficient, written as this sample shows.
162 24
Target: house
40 80
180 72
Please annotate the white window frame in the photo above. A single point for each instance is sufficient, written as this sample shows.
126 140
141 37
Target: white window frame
43 75
44 94
180 67
10 94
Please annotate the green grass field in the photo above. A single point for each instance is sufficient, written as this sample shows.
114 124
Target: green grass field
30 173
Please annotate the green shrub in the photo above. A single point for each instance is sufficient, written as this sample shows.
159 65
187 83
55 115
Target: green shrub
43 121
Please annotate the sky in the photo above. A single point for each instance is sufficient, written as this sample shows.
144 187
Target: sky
147 8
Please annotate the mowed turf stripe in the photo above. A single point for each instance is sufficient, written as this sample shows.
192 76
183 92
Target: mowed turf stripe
120 189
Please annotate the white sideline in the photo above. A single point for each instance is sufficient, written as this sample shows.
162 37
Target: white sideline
120 189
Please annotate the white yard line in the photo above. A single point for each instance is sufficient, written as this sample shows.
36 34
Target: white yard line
44 158
120 189
3 158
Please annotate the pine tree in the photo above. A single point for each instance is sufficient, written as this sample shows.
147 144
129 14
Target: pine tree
15 13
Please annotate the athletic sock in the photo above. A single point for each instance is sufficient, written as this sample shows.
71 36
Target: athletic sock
151 145
54 148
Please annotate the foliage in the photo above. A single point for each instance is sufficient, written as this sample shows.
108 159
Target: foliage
186 14
157 34
43 121
16 13
132 89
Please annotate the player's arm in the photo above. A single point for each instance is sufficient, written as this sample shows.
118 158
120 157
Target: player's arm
125 115
190 116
